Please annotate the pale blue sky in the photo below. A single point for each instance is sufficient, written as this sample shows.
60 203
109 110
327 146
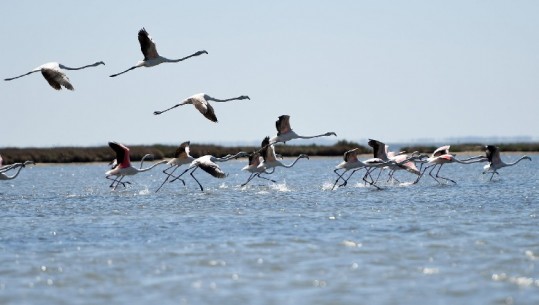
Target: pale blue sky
396 71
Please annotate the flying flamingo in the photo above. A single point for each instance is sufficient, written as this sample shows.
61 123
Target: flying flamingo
285 132
254 161
270 159
5 169
123 165
151 57
181 157
442 156
200 101
54 75
208 164
495 162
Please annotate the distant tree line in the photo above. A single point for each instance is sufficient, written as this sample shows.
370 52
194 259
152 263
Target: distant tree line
105 154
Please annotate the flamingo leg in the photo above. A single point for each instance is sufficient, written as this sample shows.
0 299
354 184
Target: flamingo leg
178 177
250 178
372 182
260 176
169 175
340 177
349 176
201 188
447 179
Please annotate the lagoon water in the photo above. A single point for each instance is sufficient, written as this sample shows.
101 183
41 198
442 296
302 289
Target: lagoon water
66 238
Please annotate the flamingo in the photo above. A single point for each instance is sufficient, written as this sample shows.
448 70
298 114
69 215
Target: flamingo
399 161
495 162
181 157
5 169
351 162
123 165
270 159
441 156
200 101
54 75
285 132
208 164
254 161
151 57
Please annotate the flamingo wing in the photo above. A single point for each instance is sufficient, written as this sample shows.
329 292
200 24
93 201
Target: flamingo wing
182 150
444 150
283 125
351 155
264 149
212 169
122 153
147 46
254 159
378 148
56 78
1 160
493 154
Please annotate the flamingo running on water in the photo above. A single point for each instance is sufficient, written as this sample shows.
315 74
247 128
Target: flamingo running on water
181 157
253 167
442 156
123 165
285 132
495 162
151 57
200 101
52 72
208 164
5 169
270 159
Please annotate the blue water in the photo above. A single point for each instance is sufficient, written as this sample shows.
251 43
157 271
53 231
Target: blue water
66 238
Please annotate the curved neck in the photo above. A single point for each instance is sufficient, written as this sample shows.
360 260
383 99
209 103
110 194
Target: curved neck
513 163
292 164
6 177
153 165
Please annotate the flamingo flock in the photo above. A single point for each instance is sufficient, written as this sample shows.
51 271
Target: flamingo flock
263 161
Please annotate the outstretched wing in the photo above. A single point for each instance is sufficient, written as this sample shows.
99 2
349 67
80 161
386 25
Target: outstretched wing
56 79
283 124
147 46
493 154
207 110
351 155
379 149
122 153
182 151
212 169
444 150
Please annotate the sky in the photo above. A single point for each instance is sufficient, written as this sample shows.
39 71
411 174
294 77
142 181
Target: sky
396 71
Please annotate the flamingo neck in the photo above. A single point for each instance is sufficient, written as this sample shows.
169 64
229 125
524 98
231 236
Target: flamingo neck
521 158
292 164
153 165
6 177
80 68
207 97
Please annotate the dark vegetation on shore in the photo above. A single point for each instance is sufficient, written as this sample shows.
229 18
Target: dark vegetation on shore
105 154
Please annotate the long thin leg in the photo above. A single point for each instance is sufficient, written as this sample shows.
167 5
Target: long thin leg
168 176
178 177
201 188
349 176
259 175
447 179
372 182
118 182
340 177
250 178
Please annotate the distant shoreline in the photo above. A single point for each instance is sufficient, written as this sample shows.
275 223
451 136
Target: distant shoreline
105 154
